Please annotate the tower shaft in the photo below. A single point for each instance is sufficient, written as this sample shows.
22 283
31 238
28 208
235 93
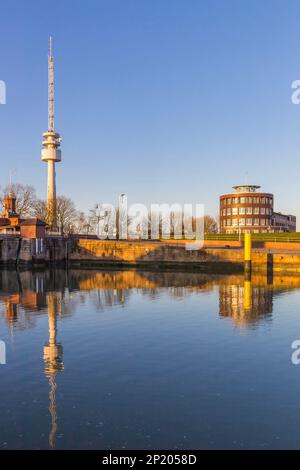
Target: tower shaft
51 195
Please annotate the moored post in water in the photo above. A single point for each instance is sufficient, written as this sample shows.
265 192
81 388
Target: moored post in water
247 252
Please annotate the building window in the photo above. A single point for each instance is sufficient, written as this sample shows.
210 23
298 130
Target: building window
262 200
229 200
262 210
228 211
256 221
249 210
262 221
224 211
234 211
234 221
249 221
242 222
256 210
255 200
242 210
243 200
236 200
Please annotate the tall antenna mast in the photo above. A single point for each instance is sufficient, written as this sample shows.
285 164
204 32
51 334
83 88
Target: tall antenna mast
50 88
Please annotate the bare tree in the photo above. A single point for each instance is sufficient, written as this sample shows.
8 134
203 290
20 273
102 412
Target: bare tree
40 209
80 222
96 214
25 198
83 223
102 212
210 224
66 213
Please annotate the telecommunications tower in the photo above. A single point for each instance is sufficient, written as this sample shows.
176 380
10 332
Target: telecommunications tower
51 152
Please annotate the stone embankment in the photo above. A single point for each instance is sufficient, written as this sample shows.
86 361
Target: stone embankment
278 258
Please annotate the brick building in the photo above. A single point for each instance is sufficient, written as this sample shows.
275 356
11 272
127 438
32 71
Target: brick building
12 224
284 223
249 210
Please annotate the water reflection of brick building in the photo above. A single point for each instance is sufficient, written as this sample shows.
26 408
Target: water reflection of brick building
245 303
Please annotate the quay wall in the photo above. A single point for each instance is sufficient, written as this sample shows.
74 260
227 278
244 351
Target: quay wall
150 253
172 254
16 250
92 252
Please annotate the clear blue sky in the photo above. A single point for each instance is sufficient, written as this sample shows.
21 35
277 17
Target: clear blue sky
166 100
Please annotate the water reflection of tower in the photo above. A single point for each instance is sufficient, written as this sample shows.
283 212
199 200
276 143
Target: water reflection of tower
53 359
11 312
245 303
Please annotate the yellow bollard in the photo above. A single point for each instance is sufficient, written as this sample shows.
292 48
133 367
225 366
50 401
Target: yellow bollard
247 252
